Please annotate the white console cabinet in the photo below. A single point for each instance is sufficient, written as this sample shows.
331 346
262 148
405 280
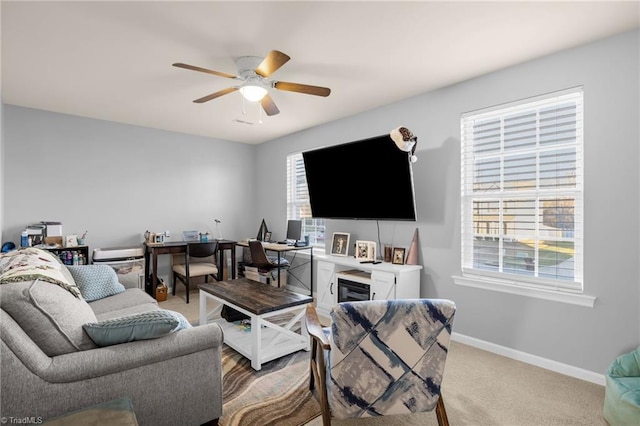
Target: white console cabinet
388 281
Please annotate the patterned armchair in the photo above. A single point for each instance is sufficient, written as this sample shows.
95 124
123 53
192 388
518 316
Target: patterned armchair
381 358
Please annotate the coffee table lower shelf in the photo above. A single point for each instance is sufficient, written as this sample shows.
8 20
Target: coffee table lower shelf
264 341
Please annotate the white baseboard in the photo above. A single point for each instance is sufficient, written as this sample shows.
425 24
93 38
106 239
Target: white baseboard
558 367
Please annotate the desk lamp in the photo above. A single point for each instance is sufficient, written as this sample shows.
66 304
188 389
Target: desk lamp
218 221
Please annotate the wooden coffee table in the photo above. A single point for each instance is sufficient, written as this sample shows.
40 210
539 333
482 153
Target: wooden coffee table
265 341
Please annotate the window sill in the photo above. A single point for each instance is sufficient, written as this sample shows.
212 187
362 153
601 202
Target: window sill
528 291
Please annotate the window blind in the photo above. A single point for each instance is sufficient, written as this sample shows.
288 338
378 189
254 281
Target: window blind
522 191
298 206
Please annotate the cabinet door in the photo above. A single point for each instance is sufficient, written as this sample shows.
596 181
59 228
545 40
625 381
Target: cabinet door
382 285
327 291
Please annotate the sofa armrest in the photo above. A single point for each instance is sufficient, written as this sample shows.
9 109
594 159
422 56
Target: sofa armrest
83 365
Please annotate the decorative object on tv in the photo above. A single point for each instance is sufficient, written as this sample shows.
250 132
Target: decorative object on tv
340 244
366 250
405 141
398 256
361 195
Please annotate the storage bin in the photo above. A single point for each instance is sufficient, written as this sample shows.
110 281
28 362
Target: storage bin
128 262
256 276
161 291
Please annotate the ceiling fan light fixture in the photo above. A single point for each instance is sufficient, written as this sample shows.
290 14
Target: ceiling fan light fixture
253 93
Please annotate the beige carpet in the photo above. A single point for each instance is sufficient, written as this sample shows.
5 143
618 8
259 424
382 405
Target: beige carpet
482 388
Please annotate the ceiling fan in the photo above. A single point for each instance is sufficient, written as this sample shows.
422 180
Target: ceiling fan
253 75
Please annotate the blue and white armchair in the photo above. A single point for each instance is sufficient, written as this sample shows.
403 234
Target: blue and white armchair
381 358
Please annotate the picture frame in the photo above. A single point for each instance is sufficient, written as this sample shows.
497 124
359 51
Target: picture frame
340 244
71 240
365 250
267 236
398 256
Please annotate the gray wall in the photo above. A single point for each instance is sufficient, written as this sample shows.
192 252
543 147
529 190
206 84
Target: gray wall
117 180
588 338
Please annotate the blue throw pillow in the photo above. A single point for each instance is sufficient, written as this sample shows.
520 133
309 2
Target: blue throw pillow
182 321
96 281
142 326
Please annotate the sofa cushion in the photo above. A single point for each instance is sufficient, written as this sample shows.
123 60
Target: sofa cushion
128 298
50 315
96 281
142 326
129 310
28 264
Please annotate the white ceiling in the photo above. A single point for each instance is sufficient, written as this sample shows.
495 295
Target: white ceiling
112 60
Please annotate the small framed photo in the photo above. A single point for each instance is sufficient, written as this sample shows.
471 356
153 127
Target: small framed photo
365 250
267 236
71 241
398 255
340 244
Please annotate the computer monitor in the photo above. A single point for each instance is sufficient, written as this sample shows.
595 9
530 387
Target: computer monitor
294 230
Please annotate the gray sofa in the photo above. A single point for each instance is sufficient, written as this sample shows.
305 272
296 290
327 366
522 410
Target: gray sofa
50 366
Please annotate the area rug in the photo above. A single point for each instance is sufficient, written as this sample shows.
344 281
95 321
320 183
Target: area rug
278 394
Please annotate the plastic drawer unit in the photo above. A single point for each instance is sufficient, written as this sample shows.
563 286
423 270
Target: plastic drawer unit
128 262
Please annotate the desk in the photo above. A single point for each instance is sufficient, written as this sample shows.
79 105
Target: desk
151 252
284 249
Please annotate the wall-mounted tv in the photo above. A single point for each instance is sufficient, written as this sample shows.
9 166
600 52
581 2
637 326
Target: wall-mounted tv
367 179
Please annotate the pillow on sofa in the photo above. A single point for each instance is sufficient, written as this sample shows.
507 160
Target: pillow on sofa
142 326
96 281
30 263
51 316
182 321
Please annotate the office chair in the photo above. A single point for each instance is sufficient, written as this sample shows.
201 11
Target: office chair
260 260
380 357
199 260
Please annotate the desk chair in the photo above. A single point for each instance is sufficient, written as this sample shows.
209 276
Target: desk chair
260 260
199 260
380 357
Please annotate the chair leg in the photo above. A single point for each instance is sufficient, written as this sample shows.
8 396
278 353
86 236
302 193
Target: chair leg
441 413
175 283
312 378
324 409
187 284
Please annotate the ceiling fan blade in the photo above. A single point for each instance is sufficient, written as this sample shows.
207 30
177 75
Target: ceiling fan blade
268 105
216 95
302 88
274 60
194 68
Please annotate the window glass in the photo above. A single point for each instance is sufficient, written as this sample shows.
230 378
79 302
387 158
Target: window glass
298 206
522 191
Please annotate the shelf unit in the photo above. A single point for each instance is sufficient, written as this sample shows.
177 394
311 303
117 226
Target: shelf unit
83 252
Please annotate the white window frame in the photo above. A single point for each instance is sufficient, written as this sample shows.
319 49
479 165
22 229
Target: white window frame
527 283
298 206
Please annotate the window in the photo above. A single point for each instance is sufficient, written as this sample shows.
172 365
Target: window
298 206
522 192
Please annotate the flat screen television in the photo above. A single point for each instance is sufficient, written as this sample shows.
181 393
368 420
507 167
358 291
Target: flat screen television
367 179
